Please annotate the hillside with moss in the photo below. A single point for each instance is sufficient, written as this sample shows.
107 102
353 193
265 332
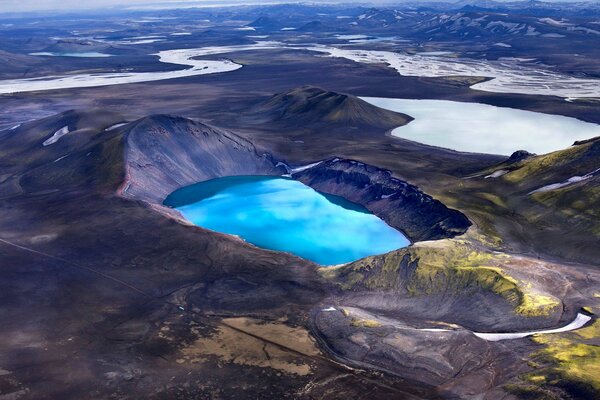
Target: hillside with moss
451 266
564 365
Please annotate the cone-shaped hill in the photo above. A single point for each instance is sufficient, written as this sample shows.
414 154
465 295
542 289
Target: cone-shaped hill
315 107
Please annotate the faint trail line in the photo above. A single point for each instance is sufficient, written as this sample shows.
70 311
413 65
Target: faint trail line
72 264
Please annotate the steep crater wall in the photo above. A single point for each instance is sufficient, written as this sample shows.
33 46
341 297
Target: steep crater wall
164 153
402 205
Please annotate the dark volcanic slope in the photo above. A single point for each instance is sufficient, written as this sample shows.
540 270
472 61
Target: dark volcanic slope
558 195
399 203
309 105
164 153
149 157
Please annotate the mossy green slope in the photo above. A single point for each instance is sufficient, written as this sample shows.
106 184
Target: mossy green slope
566 363
444 266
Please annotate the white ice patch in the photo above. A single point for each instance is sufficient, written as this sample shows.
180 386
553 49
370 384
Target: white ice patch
60 158
304 167
329 309
115 126
570 181
435 330
351 37
577 323
57 135
497 174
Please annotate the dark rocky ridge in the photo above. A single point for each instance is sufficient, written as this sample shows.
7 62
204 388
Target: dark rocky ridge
399 203
519 155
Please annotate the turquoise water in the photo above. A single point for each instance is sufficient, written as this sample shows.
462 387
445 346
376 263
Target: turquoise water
284 214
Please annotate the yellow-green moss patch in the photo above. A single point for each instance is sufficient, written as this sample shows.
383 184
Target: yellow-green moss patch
451 265
365 323
578 362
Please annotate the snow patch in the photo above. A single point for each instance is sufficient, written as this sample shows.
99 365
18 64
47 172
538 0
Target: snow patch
60 158
304 167
115 126
553 22
497 174
351 37
570 181
577 323
57 135
284 165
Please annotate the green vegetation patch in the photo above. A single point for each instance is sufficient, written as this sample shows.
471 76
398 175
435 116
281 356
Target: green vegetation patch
440 267
365 323
545 162
569 361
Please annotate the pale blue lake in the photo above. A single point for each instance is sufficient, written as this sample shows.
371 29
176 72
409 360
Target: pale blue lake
481 128
284 214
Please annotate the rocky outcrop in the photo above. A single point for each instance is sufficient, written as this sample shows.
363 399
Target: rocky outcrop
400 204
519 155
